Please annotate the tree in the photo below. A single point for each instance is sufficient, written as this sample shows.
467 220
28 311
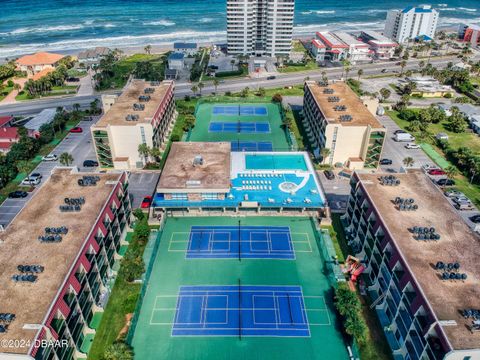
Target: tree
403 63
359 73
215 84
119 350
143 151
200 87
451 171
277 98
23 166
408 161
66 159
261 92
385 93
194 89
324 153
155 153
189 122
245 92
148 49
232 63
94 107
456 121
76 107
346 65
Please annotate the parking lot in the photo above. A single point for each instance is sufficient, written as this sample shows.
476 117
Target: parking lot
336 190
78 145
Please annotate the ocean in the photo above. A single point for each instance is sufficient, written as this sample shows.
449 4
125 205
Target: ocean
27 26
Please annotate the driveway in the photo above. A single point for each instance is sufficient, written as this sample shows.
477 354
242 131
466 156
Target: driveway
78 145
337 191
141 184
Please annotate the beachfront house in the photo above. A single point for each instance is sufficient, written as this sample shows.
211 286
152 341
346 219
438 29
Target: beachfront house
188 49
39 62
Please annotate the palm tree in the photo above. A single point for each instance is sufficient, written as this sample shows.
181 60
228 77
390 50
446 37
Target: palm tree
359 73
66 159
346 65
451 171
408 161
200 87
194 89
324 152
148 49
143 150
215 84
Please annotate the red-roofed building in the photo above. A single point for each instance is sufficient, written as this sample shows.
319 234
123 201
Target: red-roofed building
335 49
33 64
318 50
8 134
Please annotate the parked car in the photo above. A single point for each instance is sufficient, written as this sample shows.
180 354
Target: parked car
329 174
461 199
453 193
383 71
28 181
445 182
146 202
400 137
399 132
428 167
412 146
475 219
17 194
76 129
464 205
271 77
436 172
90 163
73 79
50 157
386 162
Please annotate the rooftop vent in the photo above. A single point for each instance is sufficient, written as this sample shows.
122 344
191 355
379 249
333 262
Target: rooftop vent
450 271
333 99
405 204
138 107
88 180
149 90
198 160
389 180
339 108
323 83
144 98
131 117
328 91
346 118
424 233
154 83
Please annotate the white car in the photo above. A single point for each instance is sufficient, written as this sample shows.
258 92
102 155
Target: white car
412 146
50 157
29 181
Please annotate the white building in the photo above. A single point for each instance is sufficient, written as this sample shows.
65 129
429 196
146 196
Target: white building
260 27
411 22
381 47
357 50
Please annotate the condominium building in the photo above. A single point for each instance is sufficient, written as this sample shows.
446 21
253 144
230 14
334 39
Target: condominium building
57 259
411 22
422 268
143 114
260 27
381 47
358 51
336 118
335 49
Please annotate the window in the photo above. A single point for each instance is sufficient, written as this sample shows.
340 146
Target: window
209 196
142 132
179 196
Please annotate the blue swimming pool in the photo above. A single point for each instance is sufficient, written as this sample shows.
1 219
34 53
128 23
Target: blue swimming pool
275 162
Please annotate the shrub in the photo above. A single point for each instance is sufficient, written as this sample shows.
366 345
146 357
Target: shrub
10 83
175 137
348 305
277 98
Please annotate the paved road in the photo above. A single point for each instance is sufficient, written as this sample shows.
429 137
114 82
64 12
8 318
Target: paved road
182 89
79 145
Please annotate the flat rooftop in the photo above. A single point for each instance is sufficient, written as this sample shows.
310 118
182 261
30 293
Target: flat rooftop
19 245
355 107
331 40
117 115
457 243
349 39
180 172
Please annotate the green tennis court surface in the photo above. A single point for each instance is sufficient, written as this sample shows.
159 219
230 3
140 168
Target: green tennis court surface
208 117
234 307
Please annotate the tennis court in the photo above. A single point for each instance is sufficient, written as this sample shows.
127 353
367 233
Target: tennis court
214 122
242 110
240 127
260 242
236 307
252 146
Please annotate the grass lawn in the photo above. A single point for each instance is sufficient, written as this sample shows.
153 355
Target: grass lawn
244 73
288 68
376 347
5 92
44 150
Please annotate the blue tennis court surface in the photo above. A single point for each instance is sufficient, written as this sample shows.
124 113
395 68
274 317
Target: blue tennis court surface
252 146
242 310
242 110
223 242
239 127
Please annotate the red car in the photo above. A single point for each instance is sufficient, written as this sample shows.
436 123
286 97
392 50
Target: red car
436 172
146 202
76 129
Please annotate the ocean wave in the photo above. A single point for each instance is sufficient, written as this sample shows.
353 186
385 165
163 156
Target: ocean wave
318 12
205 20
458 9
116 42
160 23
442 5
302 30
467 9
47 29
453 21
447 9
